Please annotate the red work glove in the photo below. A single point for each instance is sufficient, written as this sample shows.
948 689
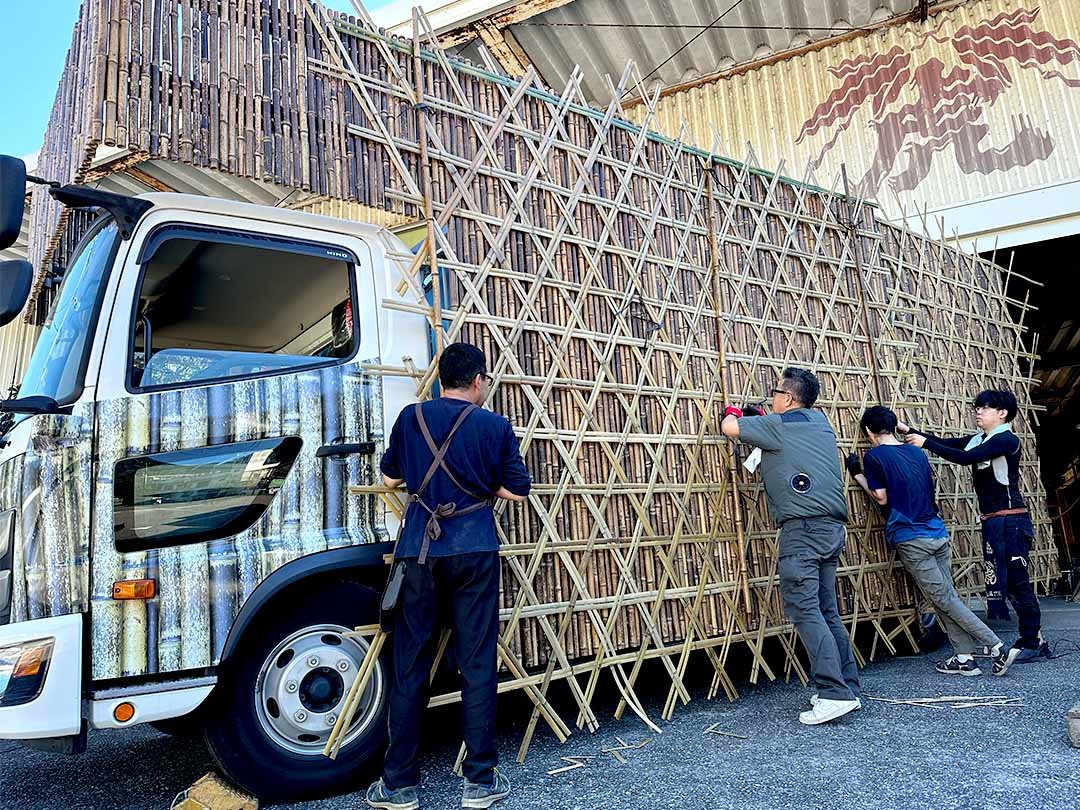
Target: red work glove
731 410
752 410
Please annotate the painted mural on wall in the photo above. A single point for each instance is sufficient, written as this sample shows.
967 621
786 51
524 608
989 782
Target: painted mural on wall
945 105
981 101
62 484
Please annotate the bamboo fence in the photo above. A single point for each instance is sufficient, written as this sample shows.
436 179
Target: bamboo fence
624 285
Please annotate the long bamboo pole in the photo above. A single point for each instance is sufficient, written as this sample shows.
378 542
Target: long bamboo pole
720 307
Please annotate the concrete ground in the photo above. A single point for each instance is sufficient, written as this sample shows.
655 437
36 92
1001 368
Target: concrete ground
886 756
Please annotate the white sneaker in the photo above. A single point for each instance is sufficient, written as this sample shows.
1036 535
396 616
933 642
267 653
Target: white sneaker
825 710
814 699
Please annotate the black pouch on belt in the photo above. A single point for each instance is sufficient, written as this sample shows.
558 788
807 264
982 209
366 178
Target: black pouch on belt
391 594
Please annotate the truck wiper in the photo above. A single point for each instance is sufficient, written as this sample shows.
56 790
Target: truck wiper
36 405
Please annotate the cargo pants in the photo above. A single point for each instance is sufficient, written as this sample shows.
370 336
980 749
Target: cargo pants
809 551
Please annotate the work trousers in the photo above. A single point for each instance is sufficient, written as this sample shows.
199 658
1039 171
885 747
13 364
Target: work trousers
463 589
809 551
1007 542
927 559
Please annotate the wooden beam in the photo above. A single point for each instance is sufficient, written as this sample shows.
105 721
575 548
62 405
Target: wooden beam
510 56
524 10
148 180
1052 361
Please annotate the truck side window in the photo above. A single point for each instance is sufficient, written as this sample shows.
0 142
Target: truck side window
220 306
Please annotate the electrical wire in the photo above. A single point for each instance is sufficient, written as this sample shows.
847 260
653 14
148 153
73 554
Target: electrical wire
688 43
679 26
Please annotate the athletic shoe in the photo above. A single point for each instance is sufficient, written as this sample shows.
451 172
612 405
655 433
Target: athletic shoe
383 798
954 666
1024 655
1004 659
814 699
482 796
825 710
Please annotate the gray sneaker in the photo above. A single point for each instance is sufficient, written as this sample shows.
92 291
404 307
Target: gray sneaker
384 798
484 796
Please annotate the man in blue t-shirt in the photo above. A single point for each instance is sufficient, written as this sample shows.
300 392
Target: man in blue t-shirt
454 458
898 477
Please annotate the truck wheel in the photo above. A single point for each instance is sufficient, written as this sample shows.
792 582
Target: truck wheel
281 693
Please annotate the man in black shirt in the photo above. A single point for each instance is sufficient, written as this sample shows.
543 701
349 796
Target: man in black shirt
455 458
994 456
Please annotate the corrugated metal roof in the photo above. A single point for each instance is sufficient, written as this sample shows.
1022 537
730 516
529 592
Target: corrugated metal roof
1019 133
600 35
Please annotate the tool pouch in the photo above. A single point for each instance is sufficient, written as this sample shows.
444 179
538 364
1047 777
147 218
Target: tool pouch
391 594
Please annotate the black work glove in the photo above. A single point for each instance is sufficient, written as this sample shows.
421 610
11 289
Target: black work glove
853 464
752 410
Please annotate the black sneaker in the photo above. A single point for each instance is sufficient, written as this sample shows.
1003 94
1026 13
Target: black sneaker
383 798
954 666
1004 659
1024 655
482 796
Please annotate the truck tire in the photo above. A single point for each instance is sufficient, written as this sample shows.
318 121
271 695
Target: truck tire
279 695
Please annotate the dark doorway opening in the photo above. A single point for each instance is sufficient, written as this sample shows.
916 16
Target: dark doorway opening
1053 333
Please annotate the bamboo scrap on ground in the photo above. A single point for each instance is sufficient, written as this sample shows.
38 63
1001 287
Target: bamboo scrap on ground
715 729
953 701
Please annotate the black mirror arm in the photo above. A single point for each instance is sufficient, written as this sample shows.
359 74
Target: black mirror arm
35 406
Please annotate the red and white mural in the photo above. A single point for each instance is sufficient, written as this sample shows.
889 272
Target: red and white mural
937 93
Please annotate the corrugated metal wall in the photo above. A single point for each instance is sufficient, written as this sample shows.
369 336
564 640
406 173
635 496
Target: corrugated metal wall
979 101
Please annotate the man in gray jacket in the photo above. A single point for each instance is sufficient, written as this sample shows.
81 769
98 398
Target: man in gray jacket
800 468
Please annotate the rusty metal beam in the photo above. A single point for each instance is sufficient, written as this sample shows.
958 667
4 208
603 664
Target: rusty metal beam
520 12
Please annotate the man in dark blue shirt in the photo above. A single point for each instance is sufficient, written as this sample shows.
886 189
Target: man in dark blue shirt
994 457
899 478
454 458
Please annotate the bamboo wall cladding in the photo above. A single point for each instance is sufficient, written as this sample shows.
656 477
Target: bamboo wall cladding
626 287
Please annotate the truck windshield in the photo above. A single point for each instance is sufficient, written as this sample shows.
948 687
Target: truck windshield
58 364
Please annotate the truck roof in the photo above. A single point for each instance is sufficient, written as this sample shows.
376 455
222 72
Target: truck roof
216 205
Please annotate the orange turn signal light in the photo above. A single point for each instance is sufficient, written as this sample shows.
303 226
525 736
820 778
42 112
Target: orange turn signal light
123 712
134 589
29 663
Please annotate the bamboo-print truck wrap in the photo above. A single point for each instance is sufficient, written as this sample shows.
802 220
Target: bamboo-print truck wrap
178 540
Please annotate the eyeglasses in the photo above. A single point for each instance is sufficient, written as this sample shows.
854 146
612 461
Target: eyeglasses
776 391
489 378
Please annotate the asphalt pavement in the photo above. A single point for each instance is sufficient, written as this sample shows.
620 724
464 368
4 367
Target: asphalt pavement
886 756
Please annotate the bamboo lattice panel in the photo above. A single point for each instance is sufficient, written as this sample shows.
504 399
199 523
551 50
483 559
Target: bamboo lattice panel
625 287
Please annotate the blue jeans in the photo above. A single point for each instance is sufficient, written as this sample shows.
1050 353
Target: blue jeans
465 589
809 551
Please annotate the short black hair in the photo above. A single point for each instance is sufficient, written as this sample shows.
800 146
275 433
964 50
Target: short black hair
878 419
802 385
999 400
459 365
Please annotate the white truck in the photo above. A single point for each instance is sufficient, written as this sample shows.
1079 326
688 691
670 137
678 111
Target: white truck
178 541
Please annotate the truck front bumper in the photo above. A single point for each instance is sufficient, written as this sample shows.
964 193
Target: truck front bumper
40 678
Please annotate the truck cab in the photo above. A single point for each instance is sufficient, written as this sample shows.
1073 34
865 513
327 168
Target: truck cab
180 533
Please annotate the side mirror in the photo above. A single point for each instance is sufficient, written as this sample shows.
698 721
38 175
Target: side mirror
12 199
16 276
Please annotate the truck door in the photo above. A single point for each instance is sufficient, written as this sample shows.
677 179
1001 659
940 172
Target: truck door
45 463
233 356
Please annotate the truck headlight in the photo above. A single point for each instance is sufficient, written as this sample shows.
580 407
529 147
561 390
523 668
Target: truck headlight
22 671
